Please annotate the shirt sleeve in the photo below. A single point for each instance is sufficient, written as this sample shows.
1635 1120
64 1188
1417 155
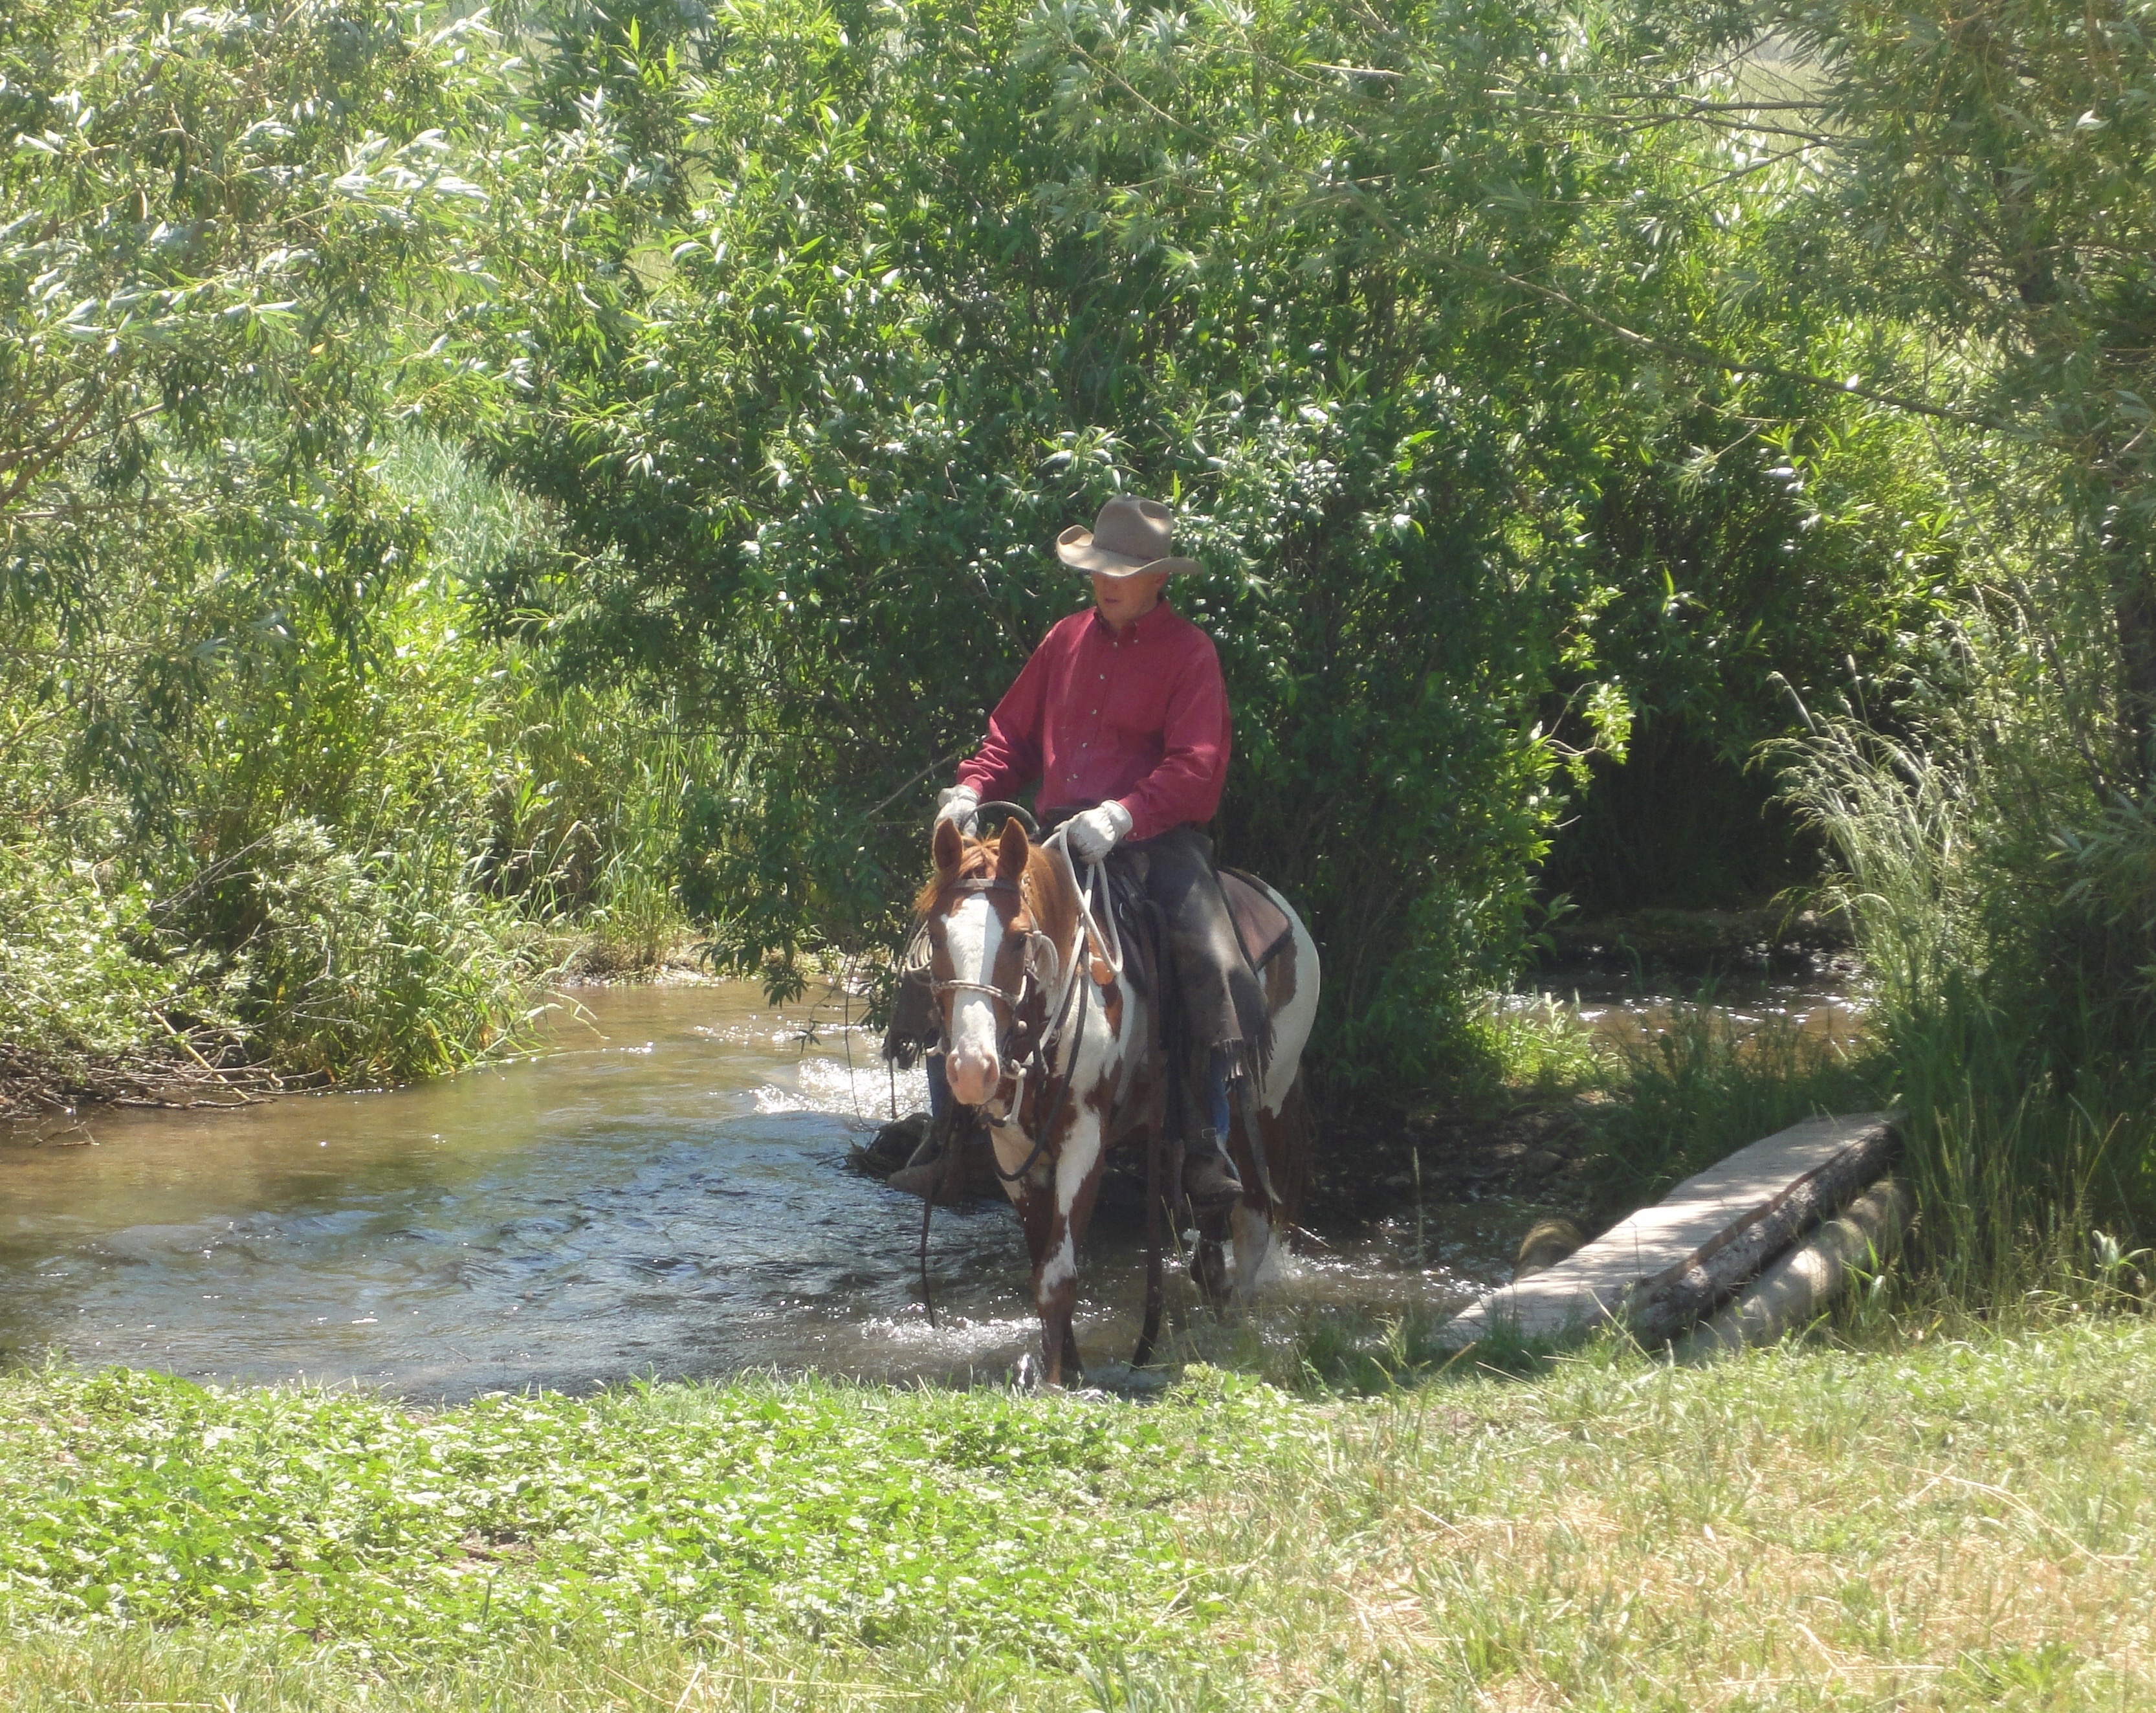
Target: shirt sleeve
1186 784
1008 759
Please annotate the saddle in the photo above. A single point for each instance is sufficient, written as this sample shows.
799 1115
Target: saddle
1261 925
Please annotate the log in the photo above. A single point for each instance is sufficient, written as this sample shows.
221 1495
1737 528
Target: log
1867 1234
1669 1265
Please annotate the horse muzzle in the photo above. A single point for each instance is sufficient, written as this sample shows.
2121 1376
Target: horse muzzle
974 1074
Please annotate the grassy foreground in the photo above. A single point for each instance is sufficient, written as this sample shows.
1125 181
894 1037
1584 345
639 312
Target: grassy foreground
1958 1524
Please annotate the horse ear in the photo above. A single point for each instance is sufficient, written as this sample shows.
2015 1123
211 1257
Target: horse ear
1011 850
950 848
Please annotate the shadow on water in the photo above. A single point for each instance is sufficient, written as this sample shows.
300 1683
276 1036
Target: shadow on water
665 1194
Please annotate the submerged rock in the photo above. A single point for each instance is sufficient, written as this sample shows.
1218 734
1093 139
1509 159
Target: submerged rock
905 1156
1547 1241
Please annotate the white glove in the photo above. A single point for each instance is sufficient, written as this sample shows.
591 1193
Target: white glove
957 804
1097 831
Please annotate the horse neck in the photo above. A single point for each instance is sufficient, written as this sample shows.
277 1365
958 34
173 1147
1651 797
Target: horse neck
1053 904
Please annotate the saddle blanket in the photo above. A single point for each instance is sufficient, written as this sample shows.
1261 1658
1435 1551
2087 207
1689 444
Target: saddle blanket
1261 925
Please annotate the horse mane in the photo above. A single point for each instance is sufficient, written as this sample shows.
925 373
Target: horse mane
978 858
1054 906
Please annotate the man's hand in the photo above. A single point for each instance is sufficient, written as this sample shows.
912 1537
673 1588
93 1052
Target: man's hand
957 806
1098 831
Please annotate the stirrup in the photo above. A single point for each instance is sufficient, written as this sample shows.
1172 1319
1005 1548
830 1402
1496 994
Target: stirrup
1210 1182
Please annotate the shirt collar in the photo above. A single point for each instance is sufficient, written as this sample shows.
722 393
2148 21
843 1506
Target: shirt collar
1150 625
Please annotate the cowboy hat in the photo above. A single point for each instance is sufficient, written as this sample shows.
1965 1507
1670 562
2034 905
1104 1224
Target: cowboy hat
1129 537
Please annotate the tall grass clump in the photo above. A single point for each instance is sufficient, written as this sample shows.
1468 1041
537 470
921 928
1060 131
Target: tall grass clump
354 958
2002 886
583 800
1708 1083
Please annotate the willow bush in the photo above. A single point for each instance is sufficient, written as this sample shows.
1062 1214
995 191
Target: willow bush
251 743
875 302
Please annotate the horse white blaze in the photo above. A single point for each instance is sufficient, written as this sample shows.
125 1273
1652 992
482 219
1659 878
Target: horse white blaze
1075 1161
973 935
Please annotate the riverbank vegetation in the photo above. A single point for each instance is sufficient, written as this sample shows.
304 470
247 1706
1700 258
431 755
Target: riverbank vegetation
1940 1521
480 490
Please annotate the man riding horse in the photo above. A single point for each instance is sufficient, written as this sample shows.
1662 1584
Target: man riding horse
1121 715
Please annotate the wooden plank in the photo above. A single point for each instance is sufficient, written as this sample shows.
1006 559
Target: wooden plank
1669 1264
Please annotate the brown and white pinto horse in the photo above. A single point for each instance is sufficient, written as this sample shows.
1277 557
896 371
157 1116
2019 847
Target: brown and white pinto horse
1054 1044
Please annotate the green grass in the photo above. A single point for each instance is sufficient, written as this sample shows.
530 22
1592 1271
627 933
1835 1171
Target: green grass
746 1509
1678 1103
1949 1522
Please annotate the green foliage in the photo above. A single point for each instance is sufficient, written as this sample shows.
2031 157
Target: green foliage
84 984
379 964
1990 167
449 495
232 687
945 282
768 1510
212 221
2015 962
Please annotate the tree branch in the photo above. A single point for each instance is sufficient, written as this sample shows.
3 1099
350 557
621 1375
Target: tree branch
1685 351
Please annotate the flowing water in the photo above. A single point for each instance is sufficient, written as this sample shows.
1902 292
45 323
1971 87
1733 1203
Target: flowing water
665 1193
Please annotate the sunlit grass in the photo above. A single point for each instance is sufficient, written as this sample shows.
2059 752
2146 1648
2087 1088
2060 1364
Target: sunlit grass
1930 1521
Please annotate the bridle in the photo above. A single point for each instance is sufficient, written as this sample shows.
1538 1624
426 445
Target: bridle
1001 1111
979 884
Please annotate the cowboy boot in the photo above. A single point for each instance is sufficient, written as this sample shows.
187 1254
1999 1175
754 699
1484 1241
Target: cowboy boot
1209 1178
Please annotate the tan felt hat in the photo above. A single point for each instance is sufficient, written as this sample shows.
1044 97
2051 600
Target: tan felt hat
1129 537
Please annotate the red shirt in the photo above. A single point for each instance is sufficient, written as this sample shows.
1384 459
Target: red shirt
1141 718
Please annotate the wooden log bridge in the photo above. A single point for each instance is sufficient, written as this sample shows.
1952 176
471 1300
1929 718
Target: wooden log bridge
1865 1235
1671 1265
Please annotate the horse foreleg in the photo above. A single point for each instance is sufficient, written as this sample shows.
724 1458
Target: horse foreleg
1079 1163
1052 1237
1252 1230
1209 1259
1282 1138
1056 1297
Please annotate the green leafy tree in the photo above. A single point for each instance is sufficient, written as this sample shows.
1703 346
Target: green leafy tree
238 730
216 222
1988 170
951 277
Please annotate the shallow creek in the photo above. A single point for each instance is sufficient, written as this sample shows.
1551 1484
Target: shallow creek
664 1193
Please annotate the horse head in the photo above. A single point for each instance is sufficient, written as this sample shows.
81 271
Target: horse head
992 961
